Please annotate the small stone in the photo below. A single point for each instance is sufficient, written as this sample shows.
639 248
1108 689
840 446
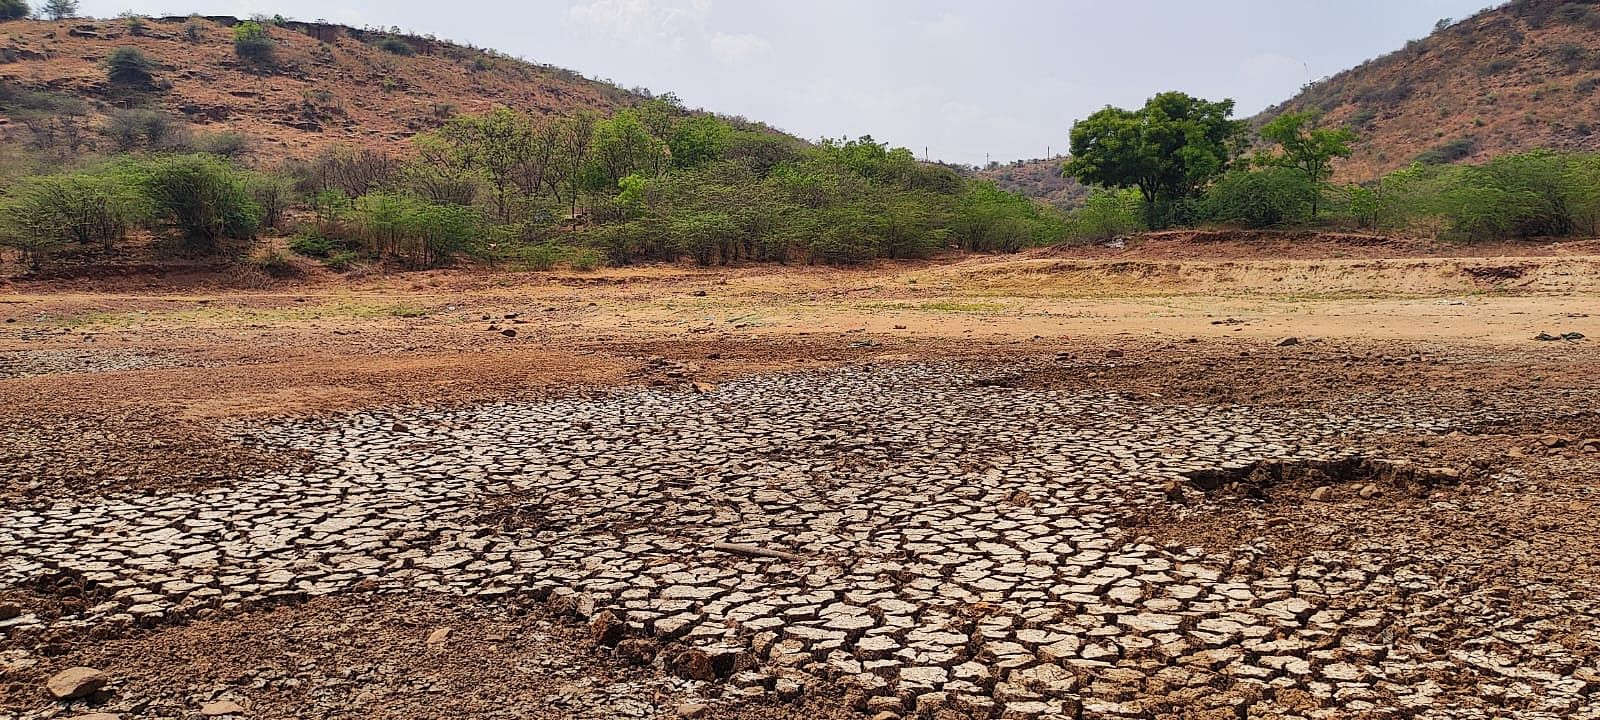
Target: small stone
1113 353
439 636
693 710
509 332
97 716
1287 342
76 682
637 651
1174 491
1322 494
1369 492
9 611
692 664
220 708
606 629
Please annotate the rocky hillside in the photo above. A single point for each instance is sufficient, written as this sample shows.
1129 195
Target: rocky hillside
1514 78
1040 179
327 84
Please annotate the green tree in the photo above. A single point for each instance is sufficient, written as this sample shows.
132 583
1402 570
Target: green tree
14 10
128 66
58 9
1307 148
623 146
1169 149
497 145
697 141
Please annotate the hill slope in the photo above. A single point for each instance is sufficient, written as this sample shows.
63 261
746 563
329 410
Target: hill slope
1041 179
328 84
1514 78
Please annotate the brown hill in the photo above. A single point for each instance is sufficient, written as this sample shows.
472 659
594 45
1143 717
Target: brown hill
1514 78
1040 179
327 85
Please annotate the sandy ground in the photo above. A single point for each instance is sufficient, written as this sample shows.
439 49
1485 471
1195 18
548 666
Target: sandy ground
135 385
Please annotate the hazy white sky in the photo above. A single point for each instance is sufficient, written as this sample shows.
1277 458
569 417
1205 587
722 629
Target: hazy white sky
966 80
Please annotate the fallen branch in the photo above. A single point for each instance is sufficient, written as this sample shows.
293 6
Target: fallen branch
754 551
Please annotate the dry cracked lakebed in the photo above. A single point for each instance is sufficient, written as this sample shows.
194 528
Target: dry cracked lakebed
928 542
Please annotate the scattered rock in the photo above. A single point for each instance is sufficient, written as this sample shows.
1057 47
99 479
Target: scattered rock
1369 492
9 611
606 629
693 710
76 682
699 293
509 332
638 651
1322 494
439 636
221 708
1173 491
1287 342
1114 353
97 716
691 664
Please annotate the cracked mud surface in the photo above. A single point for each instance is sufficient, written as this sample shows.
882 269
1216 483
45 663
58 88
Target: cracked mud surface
963 545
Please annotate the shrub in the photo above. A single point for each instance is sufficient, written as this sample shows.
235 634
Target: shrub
143 128
313 244
584 259
1458 149
228 144
1260 198
203 197
14 10
194 31
129 67
396 46
136 23
1497 66
83 207
341 261
273 264
272 193
1107 214
252 43
418 232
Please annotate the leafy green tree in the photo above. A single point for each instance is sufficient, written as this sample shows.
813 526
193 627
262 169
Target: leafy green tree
252 43
1169 149
14 10
1305 147
697 141
203 197
59 9
574 138
623 146
128 67
496 145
